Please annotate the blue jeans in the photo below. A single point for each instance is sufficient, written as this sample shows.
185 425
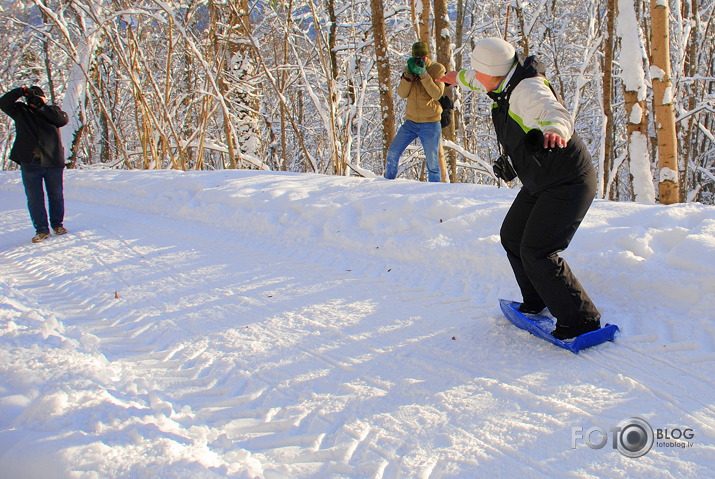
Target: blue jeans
429 135
32 179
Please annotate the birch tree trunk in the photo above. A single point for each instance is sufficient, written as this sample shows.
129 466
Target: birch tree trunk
424 22
383 71
239 66
663 99
608 50
444 56
634 86
341 135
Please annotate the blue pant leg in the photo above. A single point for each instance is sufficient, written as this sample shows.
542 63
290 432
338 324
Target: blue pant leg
430 135
405 135
32 178
55 195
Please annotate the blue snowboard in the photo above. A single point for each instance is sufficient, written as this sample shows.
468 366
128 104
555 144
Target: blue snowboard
541 327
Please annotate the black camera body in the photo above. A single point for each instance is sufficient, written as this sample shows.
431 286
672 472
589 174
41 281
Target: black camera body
503 169
419 61
34 100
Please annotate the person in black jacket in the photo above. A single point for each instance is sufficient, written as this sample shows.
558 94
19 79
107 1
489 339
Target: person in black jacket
536 132
39 152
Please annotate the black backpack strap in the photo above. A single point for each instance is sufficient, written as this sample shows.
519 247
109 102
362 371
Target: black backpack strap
528 67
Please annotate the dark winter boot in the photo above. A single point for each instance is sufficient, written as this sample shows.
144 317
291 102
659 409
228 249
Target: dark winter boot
529 308
568 332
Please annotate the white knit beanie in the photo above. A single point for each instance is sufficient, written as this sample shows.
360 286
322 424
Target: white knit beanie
493 56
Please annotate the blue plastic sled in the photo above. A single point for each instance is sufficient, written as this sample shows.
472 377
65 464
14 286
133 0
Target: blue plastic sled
541 327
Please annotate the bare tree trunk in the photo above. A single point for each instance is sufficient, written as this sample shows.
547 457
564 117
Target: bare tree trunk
383 71
48 63
340 139
415 20
608 49
282 82
664 108
218 55
687 153
459 33
239 64
327 58
444 56
455 93
424 22
519 12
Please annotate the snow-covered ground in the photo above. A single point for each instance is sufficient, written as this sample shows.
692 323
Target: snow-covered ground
250 324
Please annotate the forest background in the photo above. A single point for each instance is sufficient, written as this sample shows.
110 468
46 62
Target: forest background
301 86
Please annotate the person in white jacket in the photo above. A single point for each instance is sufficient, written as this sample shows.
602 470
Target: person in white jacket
536 134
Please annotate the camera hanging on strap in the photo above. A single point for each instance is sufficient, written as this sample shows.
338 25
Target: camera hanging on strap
502 167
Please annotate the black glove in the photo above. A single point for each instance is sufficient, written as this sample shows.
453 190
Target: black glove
534 141
534 144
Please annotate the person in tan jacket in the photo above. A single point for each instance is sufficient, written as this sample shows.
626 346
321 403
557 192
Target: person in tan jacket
423 113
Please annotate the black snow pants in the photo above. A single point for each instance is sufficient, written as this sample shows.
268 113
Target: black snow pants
536 228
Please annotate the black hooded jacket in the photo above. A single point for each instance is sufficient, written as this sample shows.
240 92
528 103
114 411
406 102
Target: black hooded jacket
37 135
537 168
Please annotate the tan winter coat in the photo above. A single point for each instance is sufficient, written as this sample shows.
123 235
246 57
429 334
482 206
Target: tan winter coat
422 93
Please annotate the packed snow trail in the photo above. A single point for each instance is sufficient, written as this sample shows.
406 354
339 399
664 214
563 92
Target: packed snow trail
232 325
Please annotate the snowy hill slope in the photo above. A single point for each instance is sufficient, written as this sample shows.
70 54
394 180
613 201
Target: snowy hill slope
253 324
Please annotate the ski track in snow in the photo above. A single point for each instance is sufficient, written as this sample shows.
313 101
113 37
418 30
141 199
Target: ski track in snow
171 348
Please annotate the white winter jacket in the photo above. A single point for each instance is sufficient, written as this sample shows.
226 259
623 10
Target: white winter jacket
532 103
